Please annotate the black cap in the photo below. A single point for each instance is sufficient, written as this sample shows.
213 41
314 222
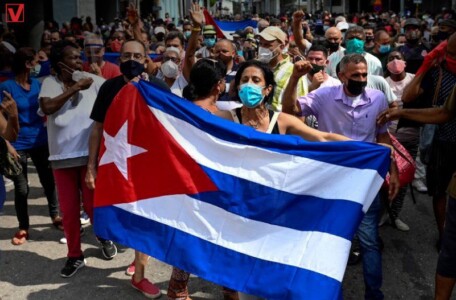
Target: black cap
412 22
449 23
238 33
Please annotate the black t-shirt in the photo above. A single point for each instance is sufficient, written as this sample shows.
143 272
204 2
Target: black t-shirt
108 92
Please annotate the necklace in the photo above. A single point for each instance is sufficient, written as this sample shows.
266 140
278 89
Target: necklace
260 115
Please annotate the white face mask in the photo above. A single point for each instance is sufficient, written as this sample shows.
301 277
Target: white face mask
35 70
285 50
265 55
170 69
78 75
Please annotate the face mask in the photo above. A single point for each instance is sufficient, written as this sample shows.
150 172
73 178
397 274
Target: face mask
384 49
355 46
265 55
35 71
285 50
369 38
78 75
412 37
325 27
187 34
396 66
441 36
65 68
170 69
398 44
116 45
251 95
356 87
451 64
131 68
332 46
209 42
316 69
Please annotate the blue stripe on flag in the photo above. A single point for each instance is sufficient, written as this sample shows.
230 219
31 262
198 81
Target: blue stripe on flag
233 26
348 154
300 212
214 263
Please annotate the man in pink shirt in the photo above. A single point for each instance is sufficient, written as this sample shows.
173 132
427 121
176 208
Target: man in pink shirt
94 51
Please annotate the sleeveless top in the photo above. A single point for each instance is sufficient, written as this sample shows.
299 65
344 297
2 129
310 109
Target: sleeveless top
273 125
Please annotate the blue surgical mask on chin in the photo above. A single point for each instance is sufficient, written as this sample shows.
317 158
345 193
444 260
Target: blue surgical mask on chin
384 49
251 95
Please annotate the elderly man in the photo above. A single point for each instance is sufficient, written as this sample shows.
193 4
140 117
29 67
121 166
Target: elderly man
354 43
351 109
95 64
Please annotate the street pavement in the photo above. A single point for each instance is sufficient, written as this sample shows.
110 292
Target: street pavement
31 271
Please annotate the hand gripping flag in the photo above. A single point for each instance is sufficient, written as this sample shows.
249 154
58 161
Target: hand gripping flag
269 215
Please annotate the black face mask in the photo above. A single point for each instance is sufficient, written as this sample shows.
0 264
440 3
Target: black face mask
369 38
316 69
356 87
442 35
332 46
131 68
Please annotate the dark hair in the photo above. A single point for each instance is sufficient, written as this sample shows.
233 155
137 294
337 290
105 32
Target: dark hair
354 58
355 30
57 52
203 76
369 26
319 47
378 33
6 58
267 73
175 34
22 55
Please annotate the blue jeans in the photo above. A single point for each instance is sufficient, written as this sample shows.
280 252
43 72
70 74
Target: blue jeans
370 250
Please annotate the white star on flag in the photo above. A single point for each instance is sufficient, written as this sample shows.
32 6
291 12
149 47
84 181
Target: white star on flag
118 150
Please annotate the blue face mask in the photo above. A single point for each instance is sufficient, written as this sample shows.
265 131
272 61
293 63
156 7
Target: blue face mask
187 34
355 46
209 42
251 94
384 49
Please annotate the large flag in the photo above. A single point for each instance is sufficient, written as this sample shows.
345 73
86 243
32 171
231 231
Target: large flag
225 29
269 215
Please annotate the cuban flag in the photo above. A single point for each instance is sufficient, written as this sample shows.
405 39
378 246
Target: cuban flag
225 29
268 215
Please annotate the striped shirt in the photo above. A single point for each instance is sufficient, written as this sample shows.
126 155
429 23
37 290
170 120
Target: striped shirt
282 73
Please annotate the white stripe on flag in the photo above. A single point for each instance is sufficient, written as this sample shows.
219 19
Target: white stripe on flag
315 251
273 169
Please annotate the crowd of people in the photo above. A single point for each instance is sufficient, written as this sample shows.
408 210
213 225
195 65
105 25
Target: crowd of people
322 77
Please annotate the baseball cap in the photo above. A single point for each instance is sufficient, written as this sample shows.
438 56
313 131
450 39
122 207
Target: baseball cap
448 22
272 33
412 22
342 26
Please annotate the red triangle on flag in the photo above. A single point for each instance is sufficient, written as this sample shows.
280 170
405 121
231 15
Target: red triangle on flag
164 168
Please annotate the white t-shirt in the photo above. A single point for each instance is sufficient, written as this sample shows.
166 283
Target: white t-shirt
69 127
398 86
178 86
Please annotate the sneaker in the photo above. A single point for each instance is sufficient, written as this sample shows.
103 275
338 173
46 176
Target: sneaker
72 265
147 288
419 186
84 218
64 239
130 269
108 248
400 225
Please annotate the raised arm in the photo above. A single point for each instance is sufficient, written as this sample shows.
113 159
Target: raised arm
290 103
300 40
197 17
413 89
